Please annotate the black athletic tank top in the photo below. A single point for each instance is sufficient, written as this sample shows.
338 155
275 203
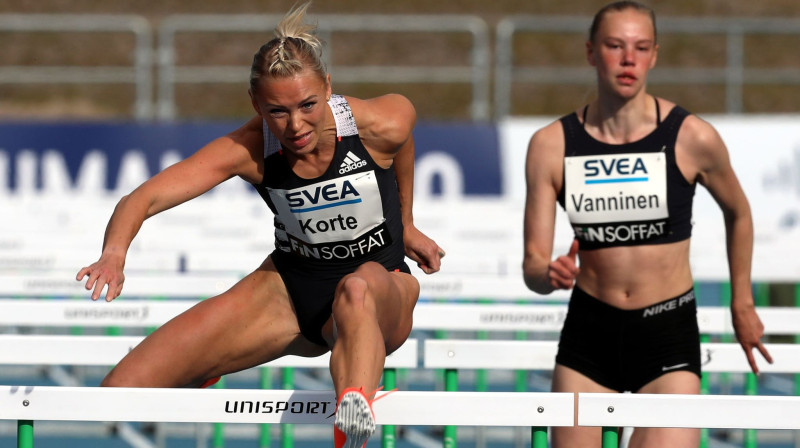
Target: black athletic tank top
629 194
343 218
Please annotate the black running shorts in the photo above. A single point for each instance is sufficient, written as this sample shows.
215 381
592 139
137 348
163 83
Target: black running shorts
626 349
312 293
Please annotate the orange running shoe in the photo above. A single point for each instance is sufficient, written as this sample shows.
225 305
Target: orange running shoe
355 421
210 382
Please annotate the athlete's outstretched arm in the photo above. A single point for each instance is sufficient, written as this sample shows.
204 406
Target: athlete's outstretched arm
214 163
716 174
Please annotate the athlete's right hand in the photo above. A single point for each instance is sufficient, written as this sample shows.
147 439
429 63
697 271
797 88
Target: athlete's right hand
563 271
107 271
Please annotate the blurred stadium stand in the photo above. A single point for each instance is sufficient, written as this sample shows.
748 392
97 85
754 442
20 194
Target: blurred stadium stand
475 66
453 67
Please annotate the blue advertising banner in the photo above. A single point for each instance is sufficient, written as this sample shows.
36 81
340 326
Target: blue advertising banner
452 159
74 142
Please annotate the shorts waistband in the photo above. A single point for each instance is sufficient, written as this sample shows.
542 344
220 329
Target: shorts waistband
685 301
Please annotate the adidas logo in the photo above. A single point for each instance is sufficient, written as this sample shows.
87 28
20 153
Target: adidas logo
351 162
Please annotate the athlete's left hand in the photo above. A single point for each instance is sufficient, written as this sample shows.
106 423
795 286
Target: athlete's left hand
422 249
749 331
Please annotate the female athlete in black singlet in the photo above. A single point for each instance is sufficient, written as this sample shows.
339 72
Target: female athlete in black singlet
338 174
624 168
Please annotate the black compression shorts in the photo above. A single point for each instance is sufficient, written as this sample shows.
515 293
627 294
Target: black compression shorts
312 293
626 349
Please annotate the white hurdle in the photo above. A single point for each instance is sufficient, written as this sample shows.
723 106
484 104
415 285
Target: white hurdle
56 350
540 355
522 356
87 313
612 411
451 355
183 286
550 318
109 350
198 284
427 316
457 355
28 404
441 354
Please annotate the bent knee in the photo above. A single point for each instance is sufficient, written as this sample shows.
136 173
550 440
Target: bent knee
352 296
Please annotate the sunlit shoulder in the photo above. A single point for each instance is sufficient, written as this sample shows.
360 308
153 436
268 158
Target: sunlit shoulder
385 121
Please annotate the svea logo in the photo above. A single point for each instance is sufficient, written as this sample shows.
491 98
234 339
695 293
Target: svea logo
322 196
615 170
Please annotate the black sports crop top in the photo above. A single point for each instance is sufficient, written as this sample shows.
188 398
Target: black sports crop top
629 194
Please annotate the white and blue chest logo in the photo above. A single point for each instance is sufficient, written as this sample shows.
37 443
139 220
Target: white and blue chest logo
616 188
339 218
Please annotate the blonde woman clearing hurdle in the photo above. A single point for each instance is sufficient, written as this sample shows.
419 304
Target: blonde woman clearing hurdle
624 168
337 172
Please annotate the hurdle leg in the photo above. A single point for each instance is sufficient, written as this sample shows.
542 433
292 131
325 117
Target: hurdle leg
705 388
538 437
287 429
520 385
25 434
481 385
219 428
751 388
388 433
610 437
264 429
450 385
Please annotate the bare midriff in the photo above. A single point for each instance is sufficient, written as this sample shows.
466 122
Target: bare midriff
638 276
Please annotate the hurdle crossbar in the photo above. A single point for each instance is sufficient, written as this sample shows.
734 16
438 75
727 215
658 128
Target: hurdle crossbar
186 285
540 355
689 411
612 411
280 406
28 404
88 313
437 353
204 284
427 316
109 350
